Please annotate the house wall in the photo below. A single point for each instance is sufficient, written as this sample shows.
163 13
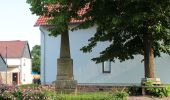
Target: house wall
22 66
26 69
48 62
8 75
13 61
85 70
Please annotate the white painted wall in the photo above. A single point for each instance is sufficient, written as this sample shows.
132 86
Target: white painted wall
26 77
13 69
13 61
86 71
22 65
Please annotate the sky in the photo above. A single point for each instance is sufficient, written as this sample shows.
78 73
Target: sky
17 22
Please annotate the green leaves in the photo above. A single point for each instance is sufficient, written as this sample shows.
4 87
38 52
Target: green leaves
124 24
37 7
36 58
121 23
59 25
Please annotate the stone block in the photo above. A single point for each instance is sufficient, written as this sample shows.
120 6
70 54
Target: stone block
64 69
156 81
65 86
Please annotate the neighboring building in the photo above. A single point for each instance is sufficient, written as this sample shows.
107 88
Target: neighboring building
3 64
85 70
3 67
19 65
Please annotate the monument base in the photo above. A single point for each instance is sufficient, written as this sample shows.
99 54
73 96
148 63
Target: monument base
156 81
65 69
65 86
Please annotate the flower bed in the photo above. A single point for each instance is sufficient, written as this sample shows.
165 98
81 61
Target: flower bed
38 92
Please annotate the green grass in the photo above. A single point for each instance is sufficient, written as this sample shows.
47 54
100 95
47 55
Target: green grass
85 96
32 86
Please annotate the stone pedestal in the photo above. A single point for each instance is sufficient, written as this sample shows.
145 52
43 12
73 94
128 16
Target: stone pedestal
156 81
66 86
64 69
65 82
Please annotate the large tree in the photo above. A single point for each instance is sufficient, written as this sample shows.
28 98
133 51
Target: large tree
131 26
35 52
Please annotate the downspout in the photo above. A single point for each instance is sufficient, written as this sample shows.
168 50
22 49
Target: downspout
6 67
42 31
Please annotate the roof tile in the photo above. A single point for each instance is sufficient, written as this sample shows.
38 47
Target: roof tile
14 48
42 20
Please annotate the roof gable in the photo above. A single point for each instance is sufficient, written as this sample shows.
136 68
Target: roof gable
26 51
12 49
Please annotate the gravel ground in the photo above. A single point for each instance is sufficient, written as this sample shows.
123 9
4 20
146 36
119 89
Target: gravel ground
146 98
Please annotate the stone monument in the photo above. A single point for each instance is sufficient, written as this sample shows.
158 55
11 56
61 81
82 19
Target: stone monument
65 82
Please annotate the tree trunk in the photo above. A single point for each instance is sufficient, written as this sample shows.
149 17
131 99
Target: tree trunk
149 56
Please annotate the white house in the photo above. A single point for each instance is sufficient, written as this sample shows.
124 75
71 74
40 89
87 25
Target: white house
85 70
19 65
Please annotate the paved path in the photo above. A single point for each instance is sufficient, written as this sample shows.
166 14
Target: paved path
146 98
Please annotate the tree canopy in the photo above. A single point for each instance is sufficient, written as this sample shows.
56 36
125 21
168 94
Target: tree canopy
60 11
36 58
131 26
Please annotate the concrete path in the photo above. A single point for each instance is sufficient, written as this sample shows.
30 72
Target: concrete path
146 98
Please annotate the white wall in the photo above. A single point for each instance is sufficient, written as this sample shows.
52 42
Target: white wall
13 61
22 65
26 69
13 69
86 71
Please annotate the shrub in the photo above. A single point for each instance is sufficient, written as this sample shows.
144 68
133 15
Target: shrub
36 92
2 88
6 96
50 95
18 94
148 83
34 96
166 91
120 95
135 90
159 91
162 91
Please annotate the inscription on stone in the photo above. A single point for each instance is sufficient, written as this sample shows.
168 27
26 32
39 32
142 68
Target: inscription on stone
65 69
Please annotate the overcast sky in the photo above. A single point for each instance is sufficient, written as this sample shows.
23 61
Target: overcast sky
16 22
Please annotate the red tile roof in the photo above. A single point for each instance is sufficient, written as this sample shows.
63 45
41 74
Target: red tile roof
14 48
42 20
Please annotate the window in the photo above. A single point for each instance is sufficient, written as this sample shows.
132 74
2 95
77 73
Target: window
106 67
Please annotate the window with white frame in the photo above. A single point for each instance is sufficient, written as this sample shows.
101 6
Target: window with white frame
106 67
